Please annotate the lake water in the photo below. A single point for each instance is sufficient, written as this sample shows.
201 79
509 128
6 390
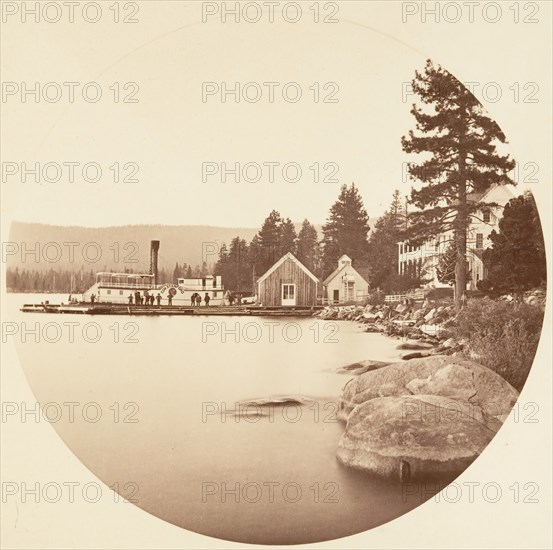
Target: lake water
167 434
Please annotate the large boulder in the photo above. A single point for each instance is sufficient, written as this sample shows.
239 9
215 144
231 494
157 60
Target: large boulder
460 379
413 437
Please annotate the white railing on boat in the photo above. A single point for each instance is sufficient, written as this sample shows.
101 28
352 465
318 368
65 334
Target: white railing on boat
147 286
108 284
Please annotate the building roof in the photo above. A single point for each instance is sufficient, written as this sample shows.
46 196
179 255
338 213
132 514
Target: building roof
476 198
128 275
479 197
276 265
337 272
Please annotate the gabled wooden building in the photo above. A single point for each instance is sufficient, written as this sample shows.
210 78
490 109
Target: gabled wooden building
345 284
287 283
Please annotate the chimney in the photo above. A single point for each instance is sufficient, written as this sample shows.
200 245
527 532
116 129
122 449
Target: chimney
154 249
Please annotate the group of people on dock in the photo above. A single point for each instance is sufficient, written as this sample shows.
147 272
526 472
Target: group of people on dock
146 299
232 299
149 299
196 299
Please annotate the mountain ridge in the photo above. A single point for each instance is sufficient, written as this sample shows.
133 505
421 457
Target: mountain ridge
47 246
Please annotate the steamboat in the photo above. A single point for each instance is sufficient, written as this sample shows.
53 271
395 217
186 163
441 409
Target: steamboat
125 288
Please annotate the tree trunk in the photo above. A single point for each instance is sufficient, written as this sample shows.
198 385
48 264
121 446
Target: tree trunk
461 226
460 269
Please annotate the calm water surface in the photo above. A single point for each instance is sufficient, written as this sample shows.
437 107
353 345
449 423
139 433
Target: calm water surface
167 425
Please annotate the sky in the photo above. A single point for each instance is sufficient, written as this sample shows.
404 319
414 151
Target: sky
176 140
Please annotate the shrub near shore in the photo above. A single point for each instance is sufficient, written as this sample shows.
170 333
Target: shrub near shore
502 336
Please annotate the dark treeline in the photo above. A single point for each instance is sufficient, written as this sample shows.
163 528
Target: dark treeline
78 281
51 280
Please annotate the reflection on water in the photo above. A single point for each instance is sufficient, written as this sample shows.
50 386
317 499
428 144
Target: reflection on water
227 428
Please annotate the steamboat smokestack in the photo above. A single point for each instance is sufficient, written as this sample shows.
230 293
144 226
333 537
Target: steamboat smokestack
154 249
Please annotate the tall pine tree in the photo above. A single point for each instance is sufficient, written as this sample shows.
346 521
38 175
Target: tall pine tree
308 246
268 242
461 140
239 274
346 230
288 237
383 244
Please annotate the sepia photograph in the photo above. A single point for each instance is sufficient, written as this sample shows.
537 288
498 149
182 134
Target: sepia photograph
276 273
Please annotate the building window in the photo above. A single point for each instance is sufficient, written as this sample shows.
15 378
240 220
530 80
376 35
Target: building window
120 293
109 291
479 240
215 294
288 292
487 216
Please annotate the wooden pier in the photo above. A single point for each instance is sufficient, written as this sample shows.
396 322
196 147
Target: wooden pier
83 308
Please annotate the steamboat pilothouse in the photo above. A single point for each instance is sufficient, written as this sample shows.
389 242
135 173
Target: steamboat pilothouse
115 288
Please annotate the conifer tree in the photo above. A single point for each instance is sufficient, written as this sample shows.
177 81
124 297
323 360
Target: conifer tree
288 237
308 246
238 275
447 264
453 128
268 242
516 260
383 244
346 229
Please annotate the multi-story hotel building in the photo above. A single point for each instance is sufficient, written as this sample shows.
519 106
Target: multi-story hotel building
423 260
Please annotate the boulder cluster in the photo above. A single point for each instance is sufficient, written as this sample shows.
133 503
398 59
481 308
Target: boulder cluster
422 417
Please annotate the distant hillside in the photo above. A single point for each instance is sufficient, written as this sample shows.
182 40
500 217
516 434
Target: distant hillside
116 247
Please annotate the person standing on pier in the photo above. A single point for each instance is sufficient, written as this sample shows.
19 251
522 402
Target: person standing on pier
92 298
137 297
130 299
170 299
198 300
193 299
206 299
158 299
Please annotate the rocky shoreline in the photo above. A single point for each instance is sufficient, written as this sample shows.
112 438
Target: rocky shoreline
425 330
430 414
